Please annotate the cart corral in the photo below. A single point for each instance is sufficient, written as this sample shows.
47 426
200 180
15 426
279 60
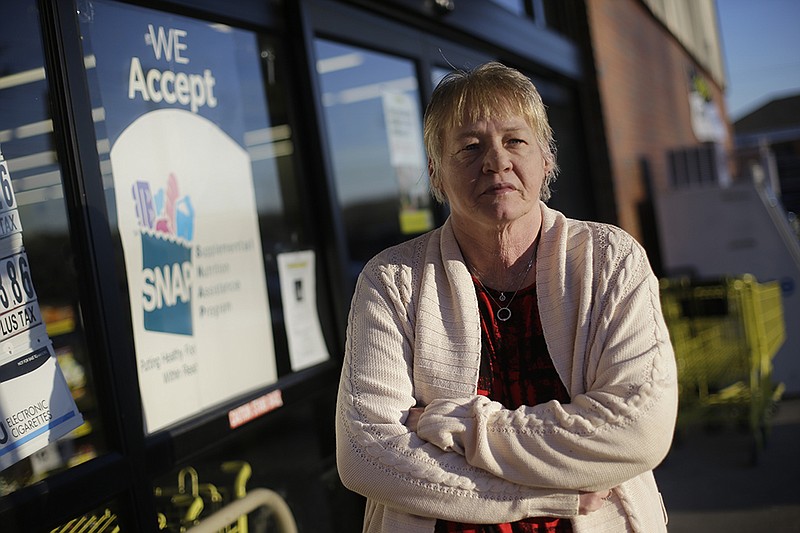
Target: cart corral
725 332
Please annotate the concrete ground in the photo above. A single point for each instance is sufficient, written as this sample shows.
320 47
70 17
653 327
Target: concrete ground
710 484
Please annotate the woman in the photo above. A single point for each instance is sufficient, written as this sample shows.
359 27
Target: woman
510 370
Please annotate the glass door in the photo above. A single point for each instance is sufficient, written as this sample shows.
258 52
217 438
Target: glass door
372 107
39 298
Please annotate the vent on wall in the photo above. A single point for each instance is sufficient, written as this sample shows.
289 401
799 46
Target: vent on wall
697 165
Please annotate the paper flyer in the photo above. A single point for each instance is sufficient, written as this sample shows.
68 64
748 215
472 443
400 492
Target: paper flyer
185 205
36 405
299 294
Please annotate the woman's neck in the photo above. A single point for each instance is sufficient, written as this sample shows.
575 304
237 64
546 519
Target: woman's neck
500 256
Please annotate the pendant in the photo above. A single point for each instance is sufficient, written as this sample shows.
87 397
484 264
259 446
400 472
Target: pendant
503 314
502 297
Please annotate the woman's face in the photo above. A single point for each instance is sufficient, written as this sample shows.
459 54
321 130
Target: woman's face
492 171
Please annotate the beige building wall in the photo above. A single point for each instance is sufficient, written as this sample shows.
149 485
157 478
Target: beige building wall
695 24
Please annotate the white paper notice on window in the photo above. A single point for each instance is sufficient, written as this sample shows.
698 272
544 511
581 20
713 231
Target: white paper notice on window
299 295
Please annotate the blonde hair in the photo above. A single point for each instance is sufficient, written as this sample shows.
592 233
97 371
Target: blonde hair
489 90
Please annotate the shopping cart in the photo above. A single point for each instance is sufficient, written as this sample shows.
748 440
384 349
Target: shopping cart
201 507
105 522
725 333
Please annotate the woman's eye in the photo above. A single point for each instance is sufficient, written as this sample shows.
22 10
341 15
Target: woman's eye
516 141
471 146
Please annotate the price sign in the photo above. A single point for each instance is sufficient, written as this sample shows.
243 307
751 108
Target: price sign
19 308
7 199
16 286
37 405
9 216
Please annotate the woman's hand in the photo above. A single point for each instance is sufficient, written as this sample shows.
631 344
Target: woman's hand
413 417
592 501
588 501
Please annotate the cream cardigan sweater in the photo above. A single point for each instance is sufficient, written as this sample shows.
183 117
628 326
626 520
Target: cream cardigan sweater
413 339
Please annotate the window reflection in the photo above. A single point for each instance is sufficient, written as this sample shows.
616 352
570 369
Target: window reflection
373 118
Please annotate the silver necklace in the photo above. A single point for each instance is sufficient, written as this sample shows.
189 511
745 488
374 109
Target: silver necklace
503 312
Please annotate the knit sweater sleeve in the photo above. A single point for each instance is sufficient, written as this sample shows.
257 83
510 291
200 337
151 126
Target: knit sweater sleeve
621 417
378 456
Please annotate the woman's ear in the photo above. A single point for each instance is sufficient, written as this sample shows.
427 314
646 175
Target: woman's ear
434 180
549 165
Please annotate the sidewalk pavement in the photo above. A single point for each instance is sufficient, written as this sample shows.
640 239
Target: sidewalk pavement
710 484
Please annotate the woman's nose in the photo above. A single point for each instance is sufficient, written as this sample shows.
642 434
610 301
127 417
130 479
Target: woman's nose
496 161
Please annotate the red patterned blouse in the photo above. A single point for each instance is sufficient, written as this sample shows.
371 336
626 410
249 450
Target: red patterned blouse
516 370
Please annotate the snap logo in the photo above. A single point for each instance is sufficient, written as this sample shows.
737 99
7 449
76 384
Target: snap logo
166 223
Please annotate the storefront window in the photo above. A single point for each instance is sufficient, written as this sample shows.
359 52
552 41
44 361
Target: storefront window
374 130
197 155
35 242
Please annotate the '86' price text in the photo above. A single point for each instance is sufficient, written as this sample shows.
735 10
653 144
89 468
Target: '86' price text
16 285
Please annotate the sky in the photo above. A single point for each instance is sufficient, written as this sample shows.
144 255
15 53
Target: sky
761 49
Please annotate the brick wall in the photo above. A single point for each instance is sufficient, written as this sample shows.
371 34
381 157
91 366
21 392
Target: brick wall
644 83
